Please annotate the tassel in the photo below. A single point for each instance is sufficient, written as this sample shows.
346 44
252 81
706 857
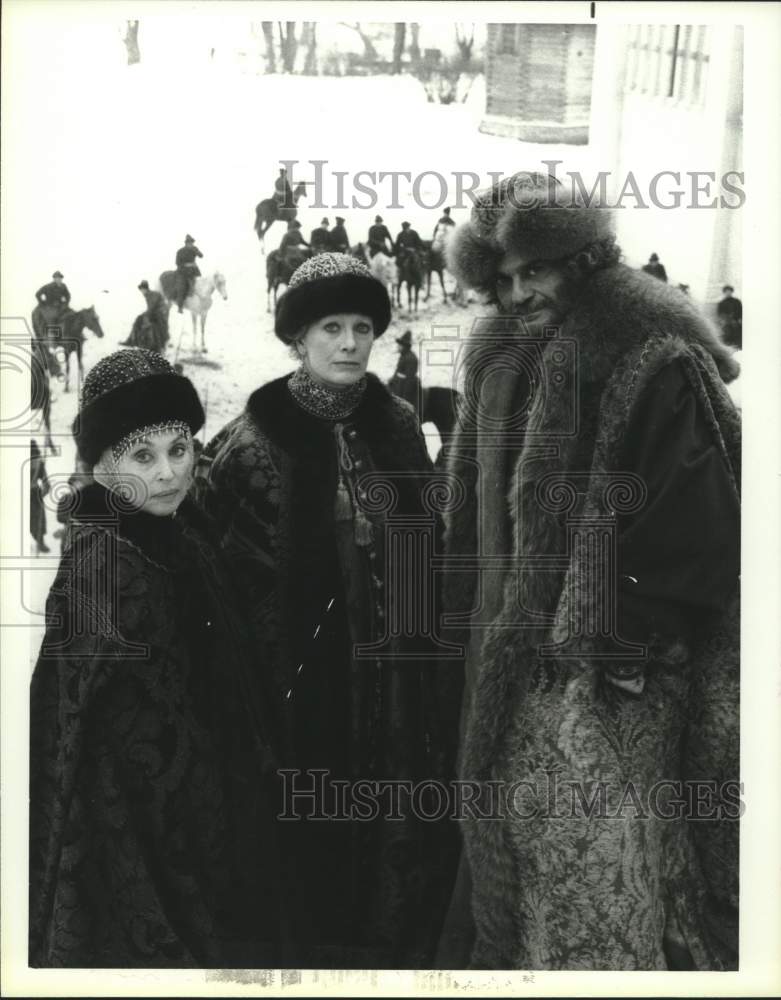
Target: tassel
343 509
364 530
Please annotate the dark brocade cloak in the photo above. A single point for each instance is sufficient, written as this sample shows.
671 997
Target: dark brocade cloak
148 845
362 893
599 861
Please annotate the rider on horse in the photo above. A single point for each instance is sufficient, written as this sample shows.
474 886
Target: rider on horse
186 269
442 231
405 381
337 238
150 328
408 239
53 301
292 238
320 238
380 239
283 193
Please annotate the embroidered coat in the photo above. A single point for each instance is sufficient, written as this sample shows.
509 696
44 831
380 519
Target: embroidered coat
148 845
594 863
317 576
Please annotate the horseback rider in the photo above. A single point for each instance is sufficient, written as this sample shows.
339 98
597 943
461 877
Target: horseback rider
443 228
320 238
380 239
53 301
283 193
150 328
408 239
292 238
186 269
337 238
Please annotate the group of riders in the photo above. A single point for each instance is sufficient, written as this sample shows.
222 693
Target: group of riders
327 239
335 239
150 328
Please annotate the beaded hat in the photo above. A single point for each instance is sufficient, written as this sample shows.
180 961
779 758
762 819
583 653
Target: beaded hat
130 392
331 283
530 214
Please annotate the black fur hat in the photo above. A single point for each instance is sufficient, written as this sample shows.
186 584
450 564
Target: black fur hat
129 390
529 214
330 283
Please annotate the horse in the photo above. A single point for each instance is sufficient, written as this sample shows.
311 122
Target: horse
435 264
384 268
269 211
67 333
440 406
410 265
199 299
280 268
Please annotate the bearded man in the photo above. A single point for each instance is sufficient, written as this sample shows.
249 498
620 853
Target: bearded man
598 555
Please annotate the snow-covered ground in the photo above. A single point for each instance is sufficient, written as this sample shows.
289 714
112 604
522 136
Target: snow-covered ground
108 166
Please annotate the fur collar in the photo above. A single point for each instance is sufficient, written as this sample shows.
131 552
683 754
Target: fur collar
157 538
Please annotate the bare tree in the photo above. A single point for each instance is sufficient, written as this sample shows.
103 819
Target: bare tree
268 35
288 45
414 47
130 38
465 44
398 45
310 40
369 51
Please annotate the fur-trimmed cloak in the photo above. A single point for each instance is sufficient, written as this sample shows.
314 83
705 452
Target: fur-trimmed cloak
368 894
556 885
148 843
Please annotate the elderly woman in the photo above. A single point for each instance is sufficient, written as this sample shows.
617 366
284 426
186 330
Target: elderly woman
289 482
147 752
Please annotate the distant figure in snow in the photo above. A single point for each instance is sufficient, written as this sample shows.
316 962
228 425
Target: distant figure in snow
283 193
380 239
655 267
292 238
729 313
150 328
442 230
337 238
53 302
320 238
186 269
405 382
39 487
408 239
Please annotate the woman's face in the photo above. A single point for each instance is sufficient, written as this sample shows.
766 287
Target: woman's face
155 474
336 349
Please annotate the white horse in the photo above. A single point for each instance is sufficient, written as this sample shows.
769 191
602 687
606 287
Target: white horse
384 269
199 301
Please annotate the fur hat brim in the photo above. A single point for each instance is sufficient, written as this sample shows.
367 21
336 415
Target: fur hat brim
554 227
341 293
153 399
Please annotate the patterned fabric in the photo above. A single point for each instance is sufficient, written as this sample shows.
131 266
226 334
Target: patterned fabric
594 864
323 401
361 894
120 368
148 842
328 265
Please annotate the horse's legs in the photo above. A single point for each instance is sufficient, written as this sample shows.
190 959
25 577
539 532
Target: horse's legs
203 333
67 369
442 283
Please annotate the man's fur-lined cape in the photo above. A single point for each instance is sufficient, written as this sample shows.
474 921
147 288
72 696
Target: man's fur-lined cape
573 892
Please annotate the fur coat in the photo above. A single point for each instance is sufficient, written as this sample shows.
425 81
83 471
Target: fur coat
368 894
148 844
638 432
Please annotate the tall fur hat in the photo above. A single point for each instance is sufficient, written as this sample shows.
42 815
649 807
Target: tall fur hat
127 391
529 214
330 283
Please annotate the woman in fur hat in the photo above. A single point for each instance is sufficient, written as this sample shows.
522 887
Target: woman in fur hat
147 752
290 482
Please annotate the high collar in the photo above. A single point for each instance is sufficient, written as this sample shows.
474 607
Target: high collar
324 401
157 537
